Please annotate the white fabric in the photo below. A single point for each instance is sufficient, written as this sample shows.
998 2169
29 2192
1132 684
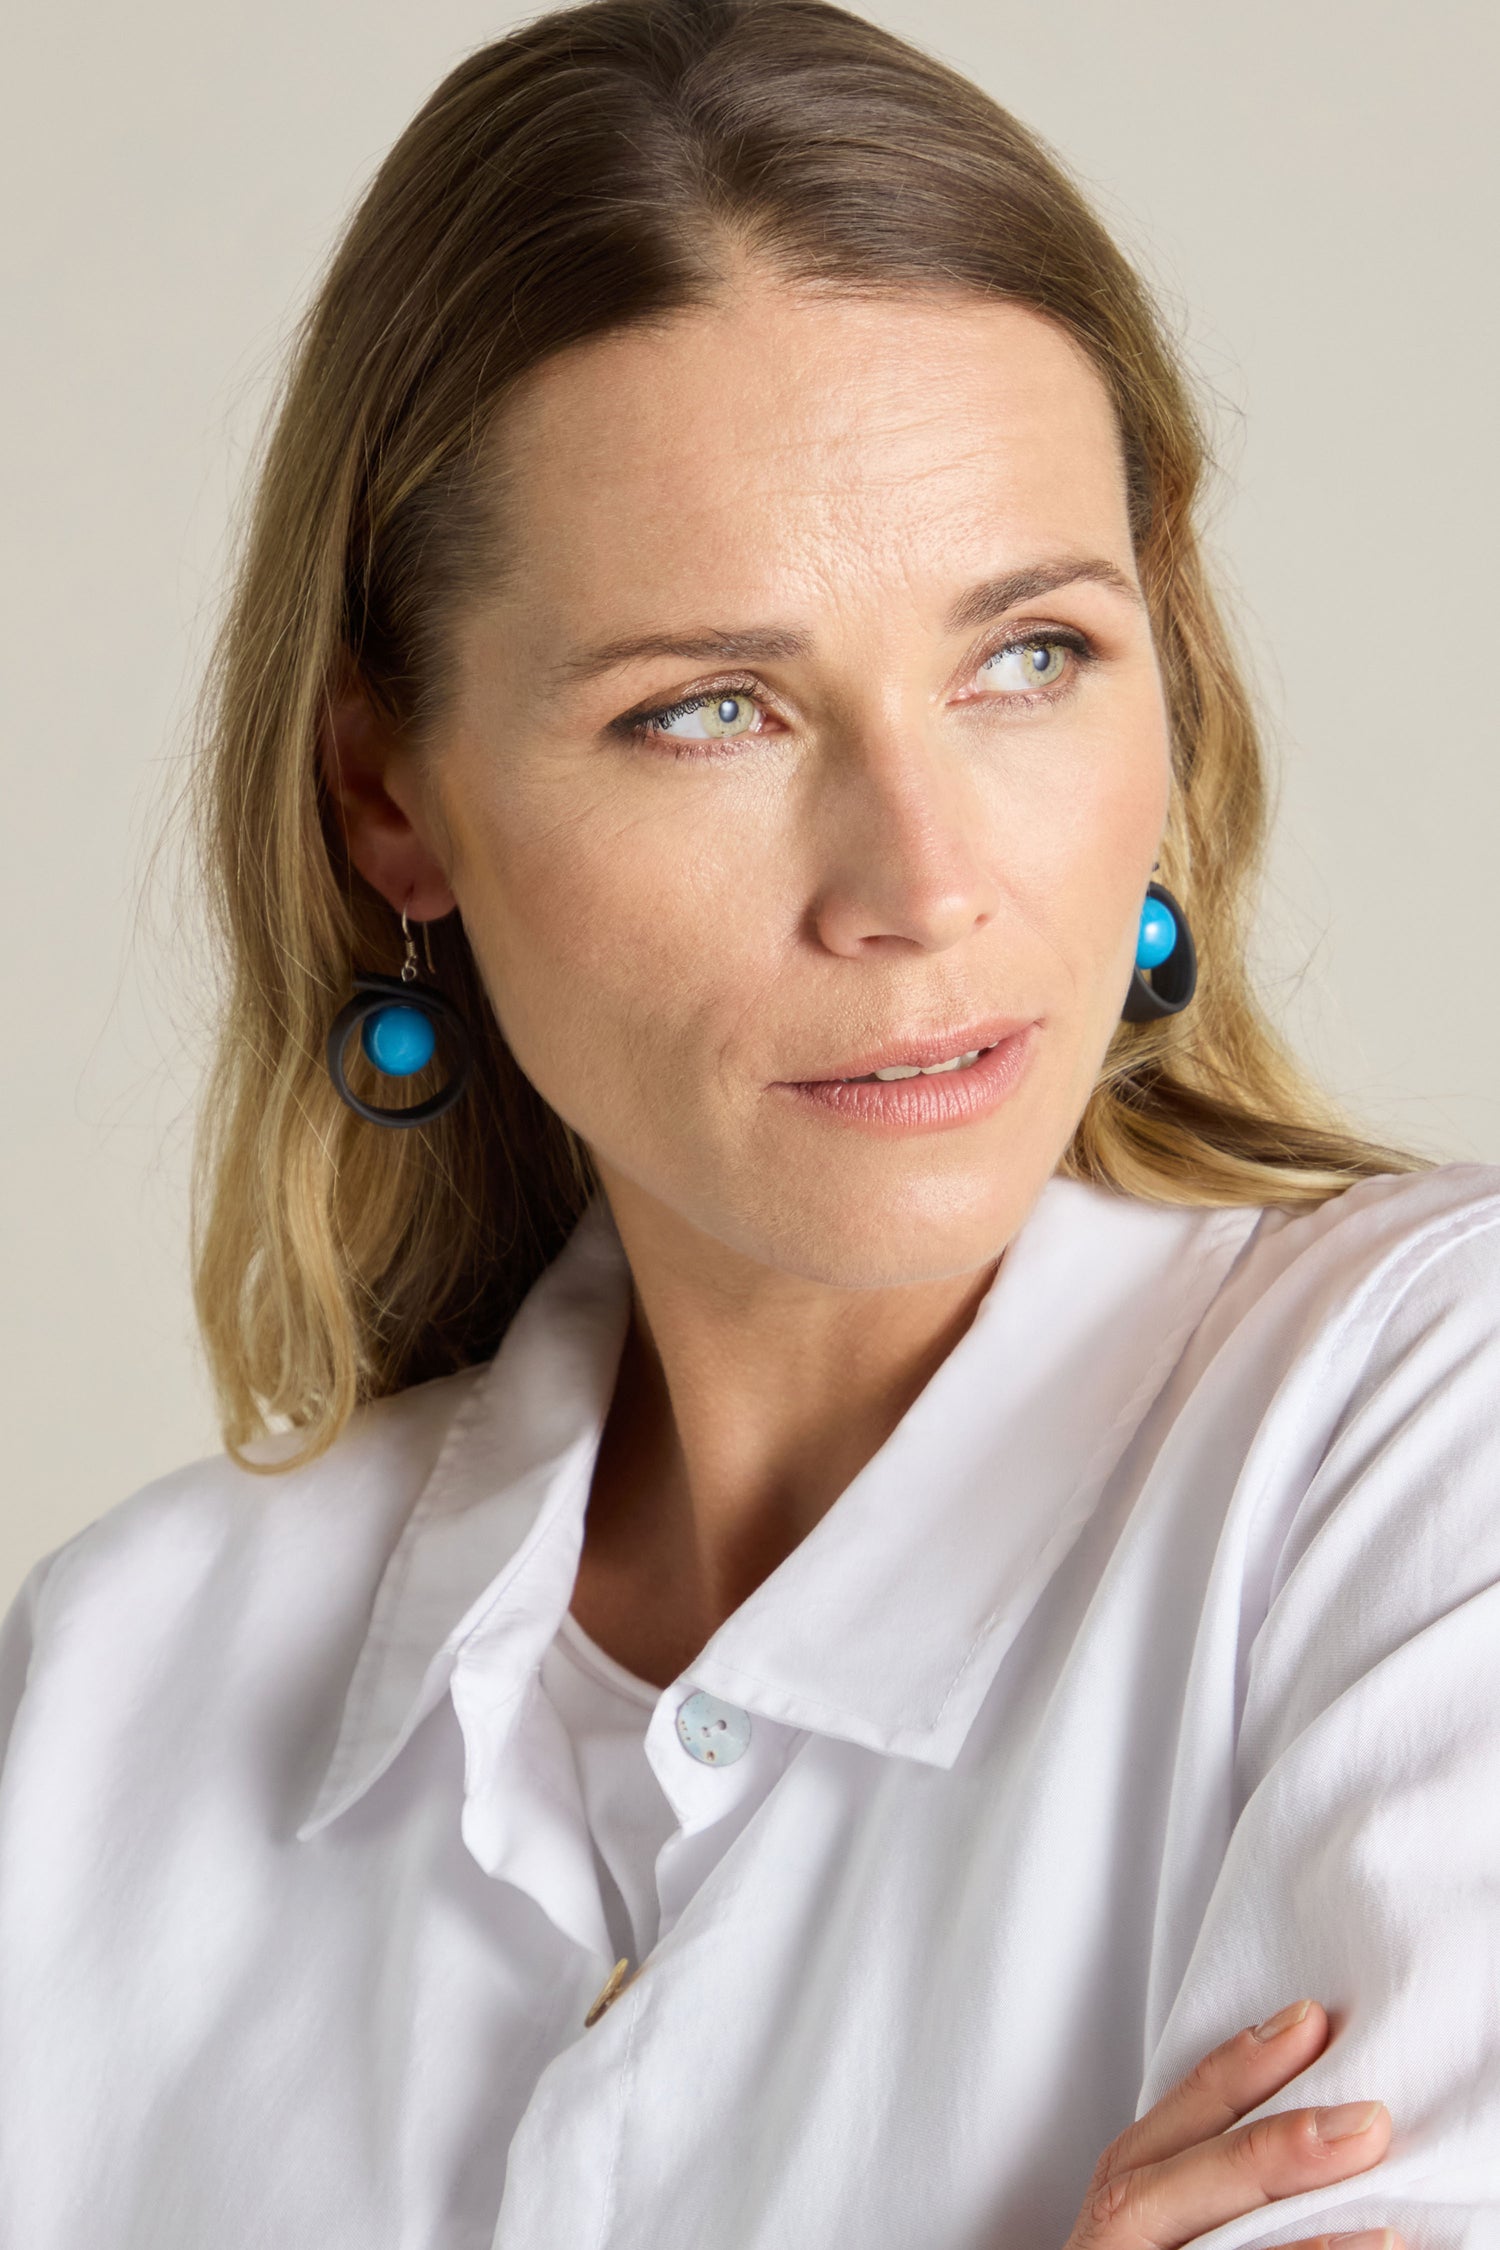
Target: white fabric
606 1710
1148 1677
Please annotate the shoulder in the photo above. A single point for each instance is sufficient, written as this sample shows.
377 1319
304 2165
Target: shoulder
225 1543
1373 1475
1393 1285
1341 1358
1390 1257
1345 1391
1247 1292
1384 1222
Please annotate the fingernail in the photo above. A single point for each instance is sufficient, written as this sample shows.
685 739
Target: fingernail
1345 2120
1283 2019
1373 2238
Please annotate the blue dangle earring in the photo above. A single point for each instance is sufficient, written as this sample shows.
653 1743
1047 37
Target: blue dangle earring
398 1020
1164 952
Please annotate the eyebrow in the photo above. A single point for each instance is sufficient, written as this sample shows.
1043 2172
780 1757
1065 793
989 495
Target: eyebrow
715 644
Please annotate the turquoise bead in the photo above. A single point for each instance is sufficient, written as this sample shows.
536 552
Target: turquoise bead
1158 938
398 1040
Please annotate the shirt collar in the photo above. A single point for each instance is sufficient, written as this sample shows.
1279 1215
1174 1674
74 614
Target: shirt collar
887 1623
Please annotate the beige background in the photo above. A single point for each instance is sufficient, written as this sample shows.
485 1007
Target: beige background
1311 184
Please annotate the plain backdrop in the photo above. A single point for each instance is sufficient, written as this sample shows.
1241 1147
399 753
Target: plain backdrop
1309 184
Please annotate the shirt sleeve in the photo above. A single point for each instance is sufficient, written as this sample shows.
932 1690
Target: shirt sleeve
17 1641
1363 1861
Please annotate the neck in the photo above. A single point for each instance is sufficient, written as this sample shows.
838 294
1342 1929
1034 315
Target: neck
747 1400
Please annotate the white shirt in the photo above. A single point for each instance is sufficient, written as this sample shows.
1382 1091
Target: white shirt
629 1815
1146 1678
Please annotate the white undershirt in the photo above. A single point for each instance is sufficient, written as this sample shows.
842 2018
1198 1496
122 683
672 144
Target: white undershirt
606 1711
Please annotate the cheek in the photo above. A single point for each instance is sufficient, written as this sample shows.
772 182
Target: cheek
1074 830
1112 846
612 940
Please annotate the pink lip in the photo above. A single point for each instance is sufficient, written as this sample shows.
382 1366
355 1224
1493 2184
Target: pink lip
922 1051
891 1107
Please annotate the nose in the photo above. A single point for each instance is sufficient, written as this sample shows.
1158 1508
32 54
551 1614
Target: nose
905 848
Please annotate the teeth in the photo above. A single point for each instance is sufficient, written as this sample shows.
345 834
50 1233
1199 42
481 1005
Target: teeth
915 1070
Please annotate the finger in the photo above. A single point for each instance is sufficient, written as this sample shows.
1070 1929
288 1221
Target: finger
1164 2206
1238 2075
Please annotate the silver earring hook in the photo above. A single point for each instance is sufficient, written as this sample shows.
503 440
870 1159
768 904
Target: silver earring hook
409 965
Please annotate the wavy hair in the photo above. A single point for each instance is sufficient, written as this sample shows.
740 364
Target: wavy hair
593 169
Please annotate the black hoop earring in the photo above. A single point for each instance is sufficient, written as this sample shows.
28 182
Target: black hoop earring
397 1019
1165 948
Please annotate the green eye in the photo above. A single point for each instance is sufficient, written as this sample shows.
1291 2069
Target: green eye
713 715
1028 664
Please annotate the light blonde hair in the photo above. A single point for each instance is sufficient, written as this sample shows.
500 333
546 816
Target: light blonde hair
590 170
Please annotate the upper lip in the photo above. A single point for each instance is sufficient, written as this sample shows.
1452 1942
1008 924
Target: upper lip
922 1048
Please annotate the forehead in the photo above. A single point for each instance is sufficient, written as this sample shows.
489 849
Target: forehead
781 437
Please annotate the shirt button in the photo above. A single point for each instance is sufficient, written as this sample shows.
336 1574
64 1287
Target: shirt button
614 1984
714 1732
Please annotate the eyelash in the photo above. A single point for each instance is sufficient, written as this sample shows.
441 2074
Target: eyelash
645 726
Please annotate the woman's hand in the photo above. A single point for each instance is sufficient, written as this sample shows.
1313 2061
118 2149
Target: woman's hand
1176 2172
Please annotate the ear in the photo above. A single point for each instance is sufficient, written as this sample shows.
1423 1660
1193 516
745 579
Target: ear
372 785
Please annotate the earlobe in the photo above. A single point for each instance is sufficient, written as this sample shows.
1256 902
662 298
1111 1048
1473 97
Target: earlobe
368 775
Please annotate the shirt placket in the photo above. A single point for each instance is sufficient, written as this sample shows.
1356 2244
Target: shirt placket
715 1762
523 1818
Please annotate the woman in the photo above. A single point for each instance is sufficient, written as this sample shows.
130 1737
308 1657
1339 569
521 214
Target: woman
852 1528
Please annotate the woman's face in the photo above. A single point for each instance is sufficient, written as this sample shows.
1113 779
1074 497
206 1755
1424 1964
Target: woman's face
890 768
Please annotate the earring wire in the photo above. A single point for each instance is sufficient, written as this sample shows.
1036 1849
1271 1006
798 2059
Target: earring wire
409 965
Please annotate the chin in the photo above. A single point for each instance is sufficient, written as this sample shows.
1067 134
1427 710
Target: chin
849 1233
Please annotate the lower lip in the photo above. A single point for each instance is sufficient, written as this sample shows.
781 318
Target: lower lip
923 1105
